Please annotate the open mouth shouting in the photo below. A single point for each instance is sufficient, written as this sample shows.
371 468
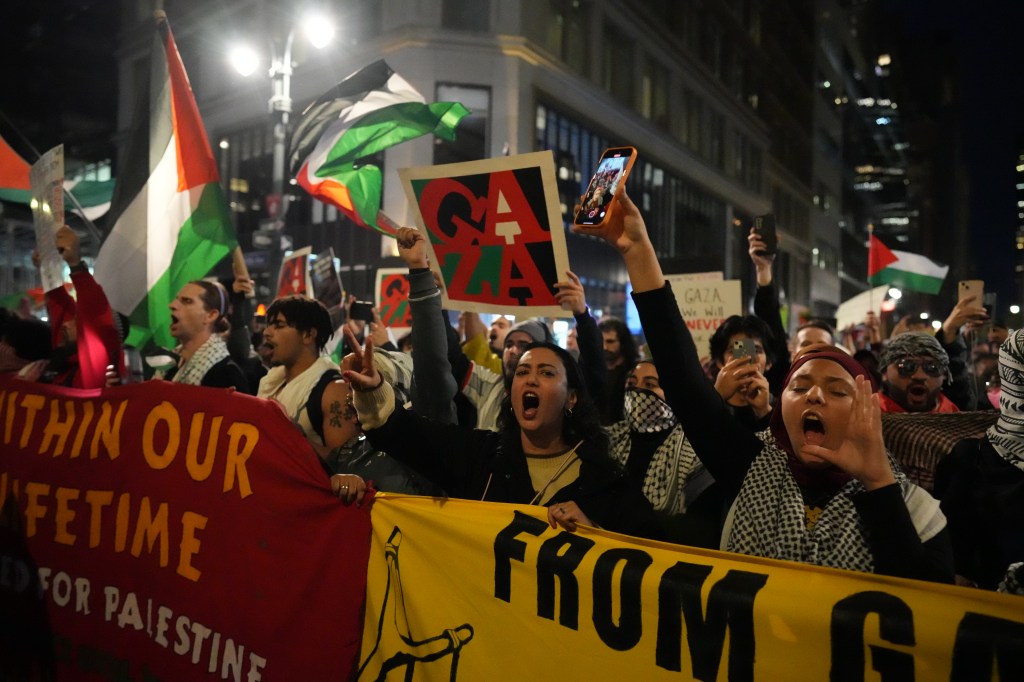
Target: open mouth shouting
531 404
918 393
813 429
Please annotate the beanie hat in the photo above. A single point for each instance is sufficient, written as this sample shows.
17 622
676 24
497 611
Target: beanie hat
535 329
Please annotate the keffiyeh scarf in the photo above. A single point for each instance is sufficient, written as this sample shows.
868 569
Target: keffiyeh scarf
768 517
206 356
675 476
1007 434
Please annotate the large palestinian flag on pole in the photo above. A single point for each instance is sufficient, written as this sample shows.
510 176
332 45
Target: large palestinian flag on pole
369 111
904 269
170 220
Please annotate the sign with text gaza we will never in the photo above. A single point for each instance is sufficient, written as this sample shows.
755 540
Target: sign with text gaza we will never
706 300
494 229
163 531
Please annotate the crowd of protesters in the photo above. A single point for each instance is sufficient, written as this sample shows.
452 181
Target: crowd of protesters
760 444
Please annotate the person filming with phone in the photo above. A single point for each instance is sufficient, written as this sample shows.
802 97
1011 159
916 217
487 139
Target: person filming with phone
739 350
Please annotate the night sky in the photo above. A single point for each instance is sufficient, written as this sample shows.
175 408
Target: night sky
987 35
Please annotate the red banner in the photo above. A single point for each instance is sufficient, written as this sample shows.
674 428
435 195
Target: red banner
165 531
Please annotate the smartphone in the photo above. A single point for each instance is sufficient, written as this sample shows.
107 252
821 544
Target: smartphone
972 287
764 226
612 171
744 348
361 310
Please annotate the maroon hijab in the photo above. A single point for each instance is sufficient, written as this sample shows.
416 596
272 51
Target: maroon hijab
831 476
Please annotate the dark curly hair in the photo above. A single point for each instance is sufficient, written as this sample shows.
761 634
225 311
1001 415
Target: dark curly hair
583 423
304 314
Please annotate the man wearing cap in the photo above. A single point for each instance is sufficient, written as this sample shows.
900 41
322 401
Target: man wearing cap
914 367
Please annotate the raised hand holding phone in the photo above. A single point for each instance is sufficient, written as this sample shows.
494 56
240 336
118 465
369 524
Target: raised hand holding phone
605 184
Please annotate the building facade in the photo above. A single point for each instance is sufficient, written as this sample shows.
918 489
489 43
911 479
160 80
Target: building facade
737 108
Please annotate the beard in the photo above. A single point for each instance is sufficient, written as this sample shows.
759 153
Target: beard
917 397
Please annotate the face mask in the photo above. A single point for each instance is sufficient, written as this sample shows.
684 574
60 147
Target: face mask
647 413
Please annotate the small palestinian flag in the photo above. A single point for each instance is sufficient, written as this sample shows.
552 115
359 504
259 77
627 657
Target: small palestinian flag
903 269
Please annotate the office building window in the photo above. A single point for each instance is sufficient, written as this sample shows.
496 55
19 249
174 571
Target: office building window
617 66
654 86
466 15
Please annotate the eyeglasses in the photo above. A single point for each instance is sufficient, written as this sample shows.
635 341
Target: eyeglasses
907 367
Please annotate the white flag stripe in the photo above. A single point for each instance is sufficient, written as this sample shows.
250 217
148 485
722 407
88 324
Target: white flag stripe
398 91
129 261
916 263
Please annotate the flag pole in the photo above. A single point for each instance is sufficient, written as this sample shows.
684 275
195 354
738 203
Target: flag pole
93 230
871 288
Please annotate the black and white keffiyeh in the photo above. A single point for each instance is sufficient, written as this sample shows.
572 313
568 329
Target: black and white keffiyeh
675 476
206 356
1007 435
768 517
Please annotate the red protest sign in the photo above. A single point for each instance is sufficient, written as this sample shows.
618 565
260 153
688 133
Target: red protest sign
495 232
173 532
294 276
393 298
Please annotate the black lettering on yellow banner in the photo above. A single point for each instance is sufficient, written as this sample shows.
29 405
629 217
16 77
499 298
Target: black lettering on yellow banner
627 632
895 625
984 642
730 607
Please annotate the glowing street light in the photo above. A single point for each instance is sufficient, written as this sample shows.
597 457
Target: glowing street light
895 293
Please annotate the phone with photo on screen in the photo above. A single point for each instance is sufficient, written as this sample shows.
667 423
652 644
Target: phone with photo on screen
612 171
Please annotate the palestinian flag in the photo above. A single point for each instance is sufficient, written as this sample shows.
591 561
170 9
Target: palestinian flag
903 269
369 111
170 220
14 182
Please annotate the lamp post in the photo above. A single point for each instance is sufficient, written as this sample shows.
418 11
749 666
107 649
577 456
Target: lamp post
280 105
318 31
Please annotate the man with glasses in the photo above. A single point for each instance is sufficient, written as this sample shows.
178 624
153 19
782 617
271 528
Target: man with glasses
914 367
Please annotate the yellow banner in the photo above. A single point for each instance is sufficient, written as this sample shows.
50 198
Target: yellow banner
460 590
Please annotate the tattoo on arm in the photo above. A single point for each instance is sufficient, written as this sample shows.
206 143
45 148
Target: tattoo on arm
336 414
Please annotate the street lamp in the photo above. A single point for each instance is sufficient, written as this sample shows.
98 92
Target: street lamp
319 31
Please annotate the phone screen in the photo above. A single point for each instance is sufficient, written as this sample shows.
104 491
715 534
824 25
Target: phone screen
611 172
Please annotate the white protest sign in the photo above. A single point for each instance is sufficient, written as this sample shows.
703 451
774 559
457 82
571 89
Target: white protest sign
705 302
47 179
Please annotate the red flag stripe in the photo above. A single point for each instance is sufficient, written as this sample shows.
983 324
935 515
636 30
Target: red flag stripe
13 168
196 165
879 256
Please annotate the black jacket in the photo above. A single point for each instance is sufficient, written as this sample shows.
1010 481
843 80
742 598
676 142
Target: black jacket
472 464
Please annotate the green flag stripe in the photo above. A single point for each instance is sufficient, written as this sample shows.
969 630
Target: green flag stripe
205 239
389 126
908 280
